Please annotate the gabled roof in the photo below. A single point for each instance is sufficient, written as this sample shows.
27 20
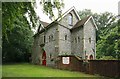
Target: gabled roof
72 8
45 24
83 22
92 21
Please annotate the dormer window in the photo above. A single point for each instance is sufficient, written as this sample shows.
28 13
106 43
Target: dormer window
70 19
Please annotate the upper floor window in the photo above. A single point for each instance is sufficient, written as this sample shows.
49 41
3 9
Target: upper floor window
65 37
44 39
50 38
89 40
70 19
78 39
75 40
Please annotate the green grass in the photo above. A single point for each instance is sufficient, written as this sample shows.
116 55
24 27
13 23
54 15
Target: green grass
28 70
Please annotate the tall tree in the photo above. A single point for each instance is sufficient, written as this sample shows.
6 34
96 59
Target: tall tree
19 36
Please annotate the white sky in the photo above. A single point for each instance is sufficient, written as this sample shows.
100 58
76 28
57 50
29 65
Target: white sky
96 6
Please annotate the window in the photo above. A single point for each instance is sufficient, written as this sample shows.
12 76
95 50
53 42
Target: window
44 39
50 38
75 40
89 40
78 39
50 55
70 19
65 37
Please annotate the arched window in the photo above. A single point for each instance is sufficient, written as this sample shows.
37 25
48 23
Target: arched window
65 37
70 19
91 57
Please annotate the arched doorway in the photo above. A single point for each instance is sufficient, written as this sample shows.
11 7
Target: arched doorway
44 58
91 57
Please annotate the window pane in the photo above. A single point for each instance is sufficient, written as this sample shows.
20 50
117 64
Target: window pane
65 37
70 19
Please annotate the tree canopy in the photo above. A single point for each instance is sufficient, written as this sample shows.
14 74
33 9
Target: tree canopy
17 36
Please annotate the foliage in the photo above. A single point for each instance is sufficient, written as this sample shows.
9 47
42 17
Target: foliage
11 11
85 13
17 44
108 58
49 6
109 41
108 33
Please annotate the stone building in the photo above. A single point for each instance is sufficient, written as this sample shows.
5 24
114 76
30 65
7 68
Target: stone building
67 35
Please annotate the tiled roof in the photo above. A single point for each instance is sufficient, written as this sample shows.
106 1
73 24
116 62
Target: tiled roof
81 22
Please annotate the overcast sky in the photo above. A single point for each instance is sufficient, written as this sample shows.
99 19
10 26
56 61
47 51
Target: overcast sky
96 6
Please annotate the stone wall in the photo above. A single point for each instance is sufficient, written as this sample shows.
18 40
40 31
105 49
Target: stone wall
50 44
64 29
89 39
77 42
37 51
64 44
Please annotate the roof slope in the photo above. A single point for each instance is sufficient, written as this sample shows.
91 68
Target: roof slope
81 22
84 21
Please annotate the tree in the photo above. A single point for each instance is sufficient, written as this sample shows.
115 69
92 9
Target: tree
108 44
49 5
85 13
11 12
19 36
18 48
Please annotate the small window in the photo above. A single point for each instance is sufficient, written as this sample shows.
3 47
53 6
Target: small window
89 40
75 40
44 39
50 55
70 19
78 39
65 37
49 38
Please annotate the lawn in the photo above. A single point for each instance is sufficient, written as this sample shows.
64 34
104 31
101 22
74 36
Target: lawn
29 70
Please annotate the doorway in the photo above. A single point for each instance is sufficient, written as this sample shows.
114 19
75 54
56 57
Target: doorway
44 58
91 57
